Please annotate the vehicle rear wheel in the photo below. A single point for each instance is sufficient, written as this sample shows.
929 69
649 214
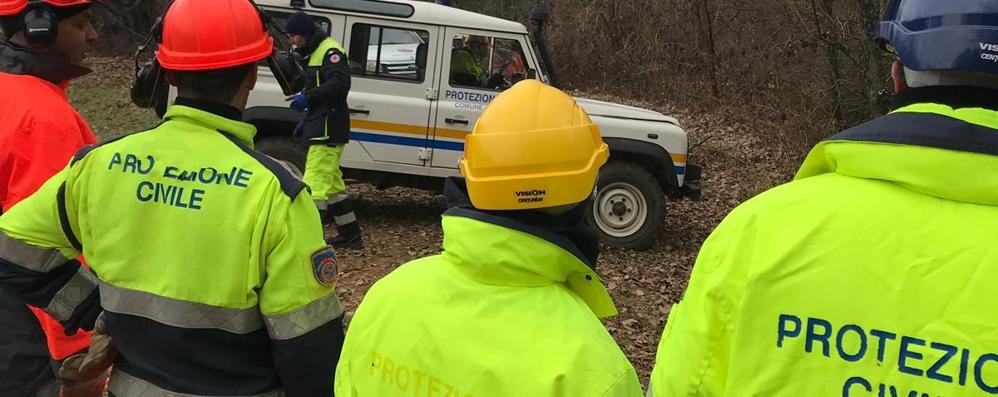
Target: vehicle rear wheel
628 209
283 148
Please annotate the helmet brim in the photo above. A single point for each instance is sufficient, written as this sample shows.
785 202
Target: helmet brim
957 48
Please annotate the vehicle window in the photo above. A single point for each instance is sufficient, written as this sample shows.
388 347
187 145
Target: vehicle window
484 62
388 52
367 7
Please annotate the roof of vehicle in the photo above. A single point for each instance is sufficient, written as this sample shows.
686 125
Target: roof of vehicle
427 12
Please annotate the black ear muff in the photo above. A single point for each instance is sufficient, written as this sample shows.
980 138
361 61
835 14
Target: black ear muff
149 87
40 25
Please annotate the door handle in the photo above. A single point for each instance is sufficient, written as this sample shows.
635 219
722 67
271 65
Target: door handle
360 111
455 121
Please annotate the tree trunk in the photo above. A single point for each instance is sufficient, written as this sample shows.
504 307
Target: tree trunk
705 17
869 11
831 43
126 23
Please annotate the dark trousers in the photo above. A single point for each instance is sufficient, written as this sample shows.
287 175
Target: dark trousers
26 369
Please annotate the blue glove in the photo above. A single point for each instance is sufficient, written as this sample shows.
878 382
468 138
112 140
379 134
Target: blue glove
299 102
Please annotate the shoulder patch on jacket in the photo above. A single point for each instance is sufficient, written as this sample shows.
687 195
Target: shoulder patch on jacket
335 56
290 180
325 267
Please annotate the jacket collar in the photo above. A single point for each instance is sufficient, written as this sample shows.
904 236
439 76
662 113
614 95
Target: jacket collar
212 116
498 250
941 142
313 42
954 96
15 59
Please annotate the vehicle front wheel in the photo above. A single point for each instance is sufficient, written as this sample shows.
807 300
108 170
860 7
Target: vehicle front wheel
628 209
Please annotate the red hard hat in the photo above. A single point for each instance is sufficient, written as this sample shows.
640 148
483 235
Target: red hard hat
212 34
14 7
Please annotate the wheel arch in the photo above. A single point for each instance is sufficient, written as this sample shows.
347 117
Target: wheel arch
649 156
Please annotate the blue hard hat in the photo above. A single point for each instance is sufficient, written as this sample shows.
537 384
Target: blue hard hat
960 35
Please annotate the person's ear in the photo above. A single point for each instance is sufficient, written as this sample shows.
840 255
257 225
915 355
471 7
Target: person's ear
897 74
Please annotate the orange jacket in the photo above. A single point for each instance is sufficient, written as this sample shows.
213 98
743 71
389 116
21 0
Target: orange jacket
39 133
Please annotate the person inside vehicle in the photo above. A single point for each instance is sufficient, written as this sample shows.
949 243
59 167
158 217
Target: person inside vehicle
465 70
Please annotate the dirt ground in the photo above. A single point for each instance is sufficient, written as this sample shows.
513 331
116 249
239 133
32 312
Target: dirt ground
403 224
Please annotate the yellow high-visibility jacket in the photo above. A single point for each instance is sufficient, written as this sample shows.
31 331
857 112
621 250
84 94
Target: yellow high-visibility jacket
208 261
505 310
872 274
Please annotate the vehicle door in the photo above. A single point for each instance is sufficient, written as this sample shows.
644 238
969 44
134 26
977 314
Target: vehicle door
390 102
476 66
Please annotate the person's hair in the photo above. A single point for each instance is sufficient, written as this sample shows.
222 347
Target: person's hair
10 25
217 85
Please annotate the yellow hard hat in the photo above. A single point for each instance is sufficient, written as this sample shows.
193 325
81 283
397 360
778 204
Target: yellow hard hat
533 147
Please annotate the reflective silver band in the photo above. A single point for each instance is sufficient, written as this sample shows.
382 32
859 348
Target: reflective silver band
124 385
30 257
321 205
178 313
338 197
72 294
288 166
305 319
345 219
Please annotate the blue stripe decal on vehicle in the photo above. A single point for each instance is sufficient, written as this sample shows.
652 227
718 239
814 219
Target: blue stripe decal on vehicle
447 145
421 142
405 141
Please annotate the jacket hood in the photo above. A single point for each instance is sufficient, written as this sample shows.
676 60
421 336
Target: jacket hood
500 250
943 149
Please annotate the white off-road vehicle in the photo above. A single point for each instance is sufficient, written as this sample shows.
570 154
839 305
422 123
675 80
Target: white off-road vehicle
410 111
